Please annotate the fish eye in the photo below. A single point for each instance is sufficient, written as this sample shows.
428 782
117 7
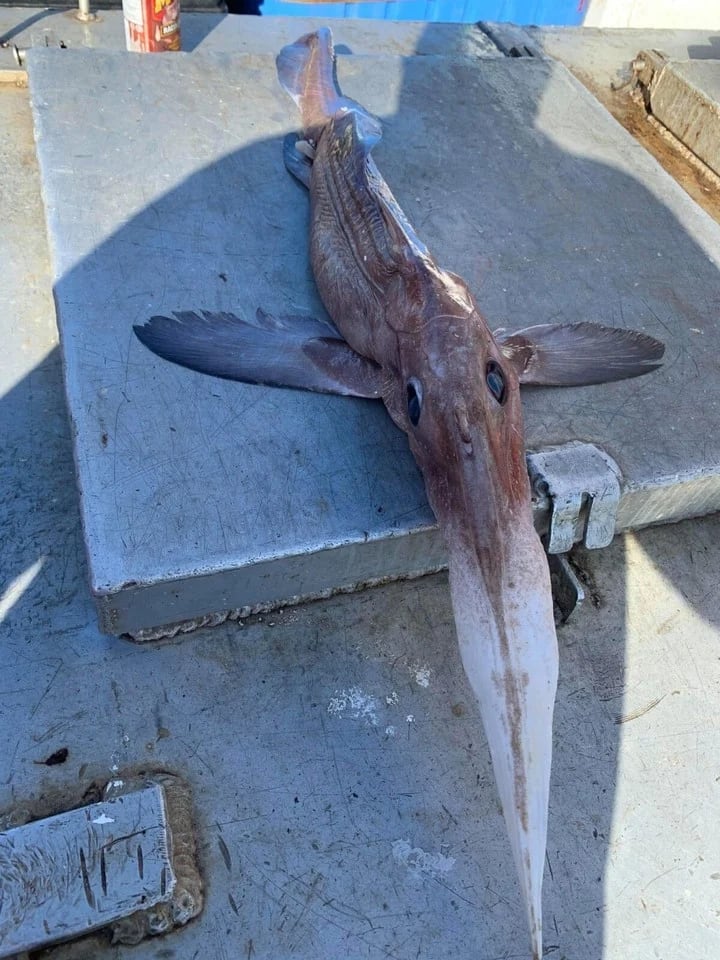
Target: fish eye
414 400
495 379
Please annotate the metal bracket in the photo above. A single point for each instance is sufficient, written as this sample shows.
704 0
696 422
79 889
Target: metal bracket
511 40
126 862
11 70
582 483
568 592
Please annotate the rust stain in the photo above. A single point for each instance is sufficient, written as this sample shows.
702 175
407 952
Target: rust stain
509 687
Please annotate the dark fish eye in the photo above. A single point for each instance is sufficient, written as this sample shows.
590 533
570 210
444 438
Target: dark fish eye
495 379
414 400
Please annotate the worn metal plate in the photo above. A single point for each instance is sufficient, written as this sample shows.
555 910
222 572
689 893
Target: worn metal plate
66 875
201 496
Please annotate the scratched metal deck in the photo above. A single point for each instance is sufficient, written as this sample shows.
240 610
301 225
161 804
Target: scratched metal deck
200 496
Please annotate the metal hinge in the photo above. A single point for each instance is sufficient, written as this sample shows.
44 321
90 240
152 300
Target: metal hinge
11 69
568 593
511 40
582 484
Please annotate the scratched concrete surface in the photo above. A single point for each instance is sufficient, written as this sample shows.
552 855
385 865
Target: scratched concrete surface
329 822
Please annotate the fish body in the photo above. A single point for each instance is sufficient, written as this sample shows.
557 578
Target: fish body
409 332
392 303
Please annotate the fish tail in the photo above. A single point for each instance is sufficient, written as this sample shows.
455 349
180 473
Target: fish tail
306 70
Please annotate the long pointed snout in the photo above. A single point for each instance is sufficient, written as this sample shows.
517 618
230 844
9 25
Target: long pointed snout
509 650
502 601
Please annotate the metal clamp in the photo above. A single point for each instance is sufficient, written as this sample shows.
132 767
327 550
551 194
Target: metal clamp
582 483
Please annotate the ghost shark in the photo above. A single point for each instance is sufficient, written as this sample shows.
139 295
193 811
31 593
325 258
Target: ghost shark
409 332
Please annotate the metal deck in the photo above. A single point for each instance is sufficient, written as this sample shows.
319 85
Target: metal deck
200 497
321 832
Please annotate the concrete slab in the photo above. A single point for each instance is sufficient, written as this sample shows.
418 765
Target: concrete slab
201 497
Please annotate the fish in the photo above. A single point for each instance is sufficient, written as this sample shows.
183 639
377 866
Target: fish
409 332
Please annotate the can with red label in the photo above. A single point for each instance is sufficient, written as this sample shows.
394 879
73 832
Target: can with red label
152 26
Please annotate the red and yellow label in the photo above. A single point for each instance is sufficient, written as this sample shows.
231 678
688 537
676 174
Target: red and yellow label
152 26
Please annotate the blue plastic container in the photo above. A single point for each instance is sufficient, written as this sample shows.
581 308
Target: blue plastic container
559 12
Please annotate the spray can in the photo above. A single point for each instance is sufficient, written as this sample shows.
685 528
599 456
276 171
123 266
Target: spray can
152 26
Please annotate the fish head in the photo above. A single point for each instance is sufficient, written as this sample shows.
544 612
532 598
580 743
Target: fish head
458 399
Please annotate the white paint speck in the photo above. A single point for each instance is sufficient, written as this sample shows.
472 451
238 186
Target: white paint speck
419 861
356 703
392 699
104 818
421 674
390 731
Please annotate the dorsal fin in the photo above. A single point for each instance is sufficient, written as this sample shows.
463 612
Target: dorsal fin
306 70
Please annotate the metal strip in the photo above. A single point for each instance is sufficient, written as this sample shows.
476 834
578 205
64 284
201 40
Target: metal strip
75 872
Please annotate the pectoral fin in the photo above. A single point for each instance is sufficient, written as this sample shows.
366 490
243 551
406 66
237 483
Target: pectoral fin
279 351
576 354
297 160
